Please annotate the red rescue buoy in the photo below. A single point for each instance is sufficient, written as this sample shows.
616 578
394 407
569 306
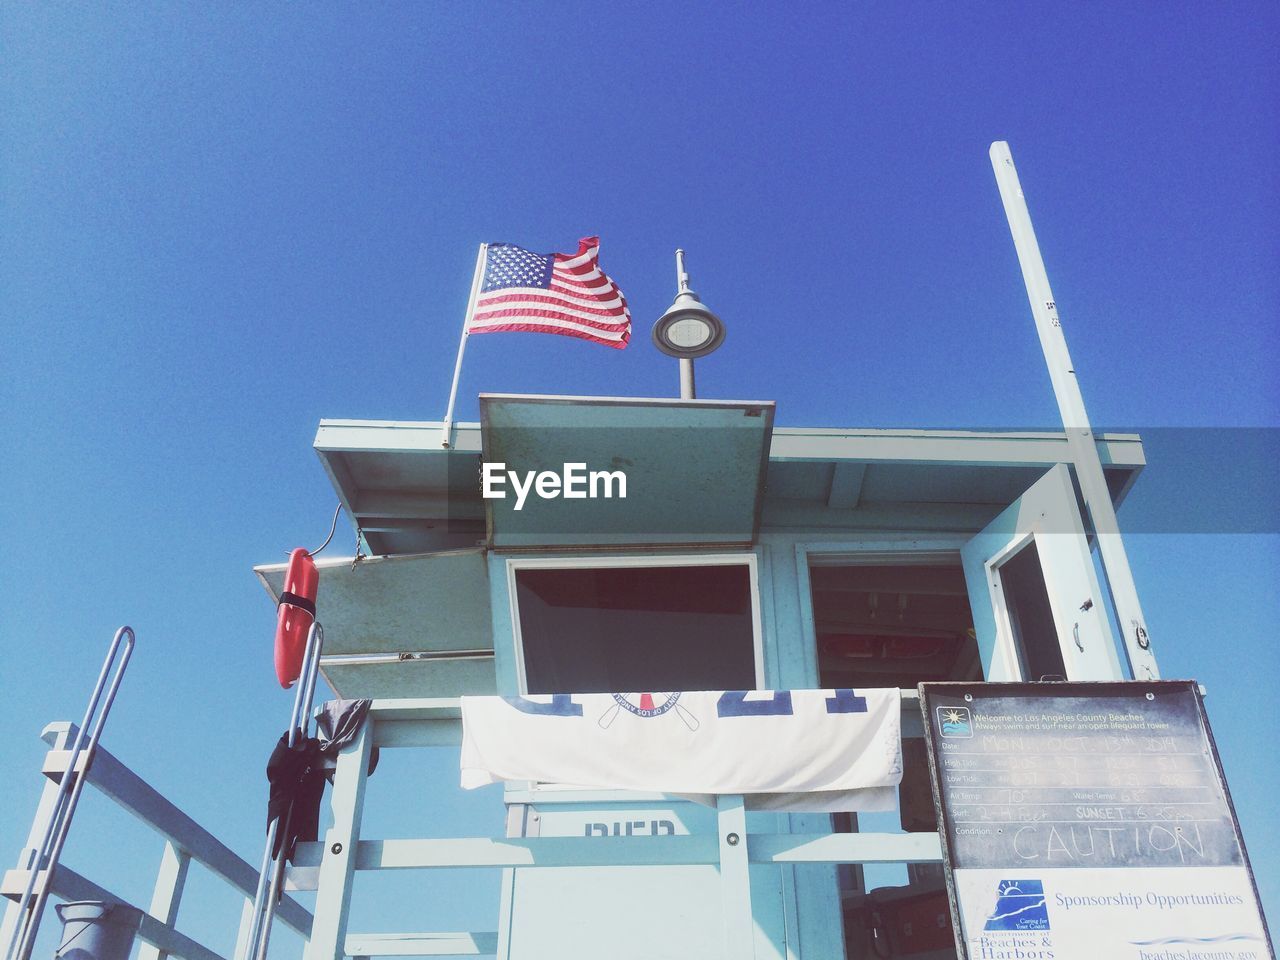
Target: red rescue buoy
297 611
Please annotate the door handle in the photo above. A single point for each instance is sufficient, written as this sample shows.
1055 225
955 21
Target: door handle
1075 630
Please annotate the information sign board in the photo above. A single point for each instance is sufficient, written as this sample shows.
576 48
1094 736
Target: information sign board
1088 820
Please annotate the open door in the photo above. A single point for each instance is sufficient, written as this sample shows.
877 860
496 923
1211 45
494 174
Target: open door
1037 609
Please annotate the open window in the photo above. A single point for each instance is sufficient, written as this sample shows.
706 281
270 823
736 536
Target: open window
1038 612
607 625
893 620
1020 601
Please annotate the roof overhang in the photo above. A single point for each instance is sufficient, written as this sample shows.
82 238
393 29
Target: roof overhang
406 491
934 479
410 494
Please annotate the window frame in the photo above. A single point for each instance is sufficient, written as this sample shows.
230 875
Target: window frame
821 553
748 560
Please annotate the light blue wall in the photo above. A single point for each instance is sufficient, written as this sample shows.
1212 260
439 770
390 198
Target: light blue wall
642 912
797 907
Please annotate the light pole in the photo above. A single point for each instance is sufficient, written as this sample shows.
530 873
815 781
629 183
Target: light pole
687 330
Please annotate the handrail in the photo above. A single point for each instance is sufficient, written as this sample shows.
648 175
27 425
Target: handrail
466 944
130 792
329 866
630 851
424 722
185 840
32 901
69 885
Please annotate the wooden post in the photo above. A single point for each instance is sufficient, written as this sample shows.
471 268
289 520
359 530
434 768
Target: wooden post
57 740
735 879
170 880
246 926
338 866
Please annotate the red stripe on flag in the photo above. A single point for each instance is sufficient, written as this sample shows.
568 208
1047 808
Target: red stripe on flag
588 267
563 276
551 302
609 293
585 245
568 310
569 299
551 315
564 332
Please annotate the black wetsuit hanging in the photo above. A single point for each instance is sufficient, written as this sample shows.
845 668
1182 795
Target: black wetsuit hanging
297 784
297 774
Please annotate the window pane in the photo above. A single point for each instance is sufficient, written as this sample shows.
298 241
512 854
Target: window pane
633 629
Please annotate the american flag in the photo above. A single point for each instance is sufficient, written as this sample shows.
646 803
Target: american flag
550 293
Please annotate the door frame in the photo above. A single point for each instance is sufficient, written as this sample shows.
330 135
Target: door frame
1055 489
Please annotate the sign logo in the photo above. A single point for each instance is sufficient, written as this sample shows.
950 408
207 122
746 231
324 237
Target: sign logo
955 722
646 706
1020 906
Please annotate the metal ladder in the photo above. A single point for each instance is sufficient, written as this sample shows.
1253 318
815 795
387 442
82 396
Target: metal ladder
44 856
271 875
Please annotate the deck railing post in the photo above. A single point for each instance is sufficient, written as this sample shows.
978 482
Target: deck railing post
247 917
337 868
170 880
39 827
735 879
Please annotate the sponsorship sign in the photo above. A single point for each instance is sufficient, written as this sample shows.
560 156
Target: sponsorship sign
1088 820
782 749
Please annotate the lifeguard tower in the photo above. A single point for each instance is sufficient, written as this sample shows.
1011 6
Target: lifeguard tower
745 556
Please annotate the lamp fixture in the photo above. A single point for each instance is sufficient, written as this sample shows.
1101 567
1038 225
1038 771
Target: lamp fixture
687 330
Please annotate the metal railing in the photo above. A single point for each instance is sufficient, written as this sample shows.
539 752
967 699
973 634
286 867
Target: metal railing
52 835
329 866
185 841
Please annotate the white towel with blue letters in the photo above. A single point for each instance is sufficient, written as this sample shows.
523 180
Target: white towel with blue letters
812 750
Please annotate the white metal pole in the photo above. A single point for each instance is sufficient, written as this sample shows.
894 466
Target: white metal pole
688 389
1075 421
462 345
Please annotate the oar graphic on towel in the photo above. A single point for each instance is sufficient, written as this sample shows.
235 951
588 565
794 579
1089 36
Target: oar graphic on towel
689 719
671 701
607 717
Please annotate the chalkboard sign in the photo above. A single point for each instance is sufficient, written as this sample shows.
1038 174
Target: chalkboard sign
1087 819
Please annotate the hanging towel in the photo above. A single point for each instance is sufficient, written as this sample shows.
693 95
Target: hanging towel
819 750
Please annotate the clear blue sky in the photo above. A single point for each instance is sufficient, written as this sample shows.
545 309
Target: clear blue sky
221 223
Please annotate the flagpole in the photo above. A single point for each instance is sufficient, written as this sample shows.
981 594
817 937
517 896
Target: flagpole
1075 421
462 345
